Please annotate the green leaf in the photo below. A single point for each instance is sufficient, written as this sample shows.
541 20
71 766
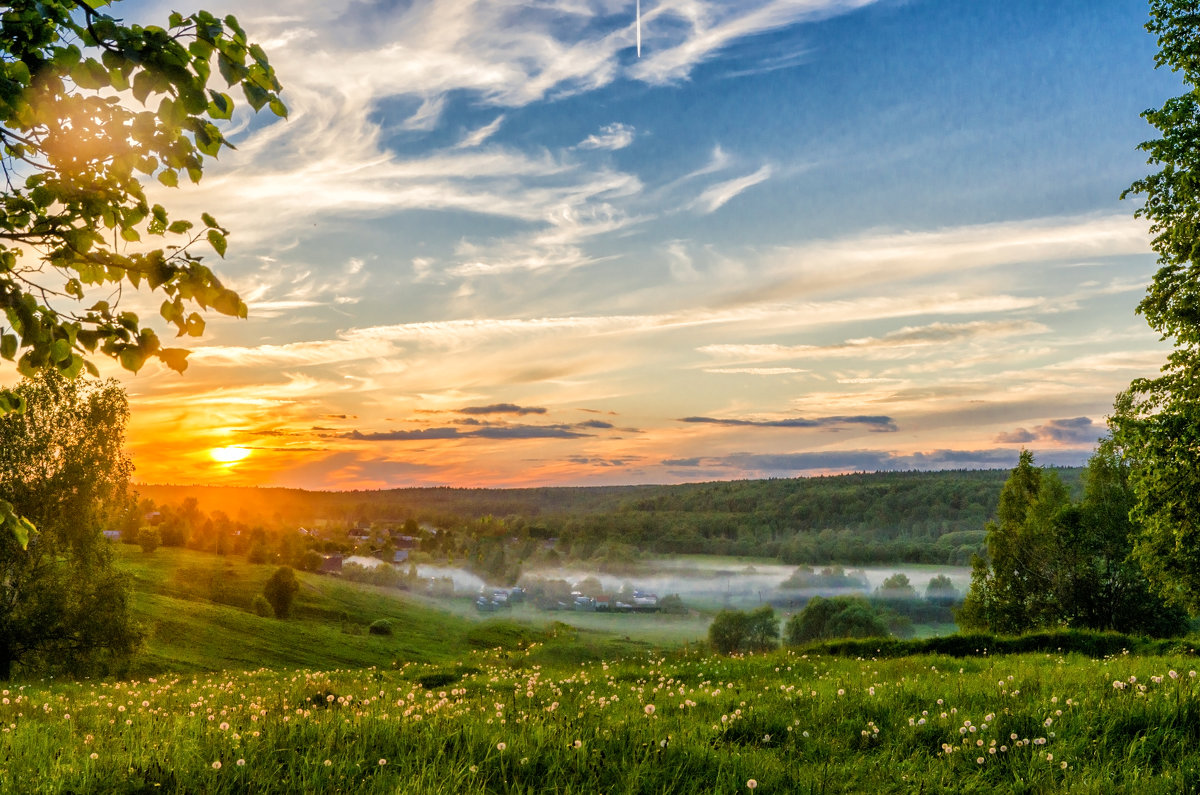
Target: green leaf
209 221
143 84
18 71
221 106
8 346
217 240
169 178
195 325
130 234
278 108
179 227
20 527
42 196
175 358
71 368
132 359
60 350
90 74
256 96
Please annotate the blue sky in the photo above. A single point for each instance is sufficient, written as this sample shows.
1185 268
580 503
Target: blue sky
492 246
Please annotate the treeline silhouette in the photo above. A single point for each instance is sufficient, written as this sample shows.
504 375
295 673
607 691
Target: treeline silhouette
928 517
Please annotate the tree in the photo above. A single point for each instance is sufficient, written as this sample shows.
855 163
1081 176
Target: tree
941 591
281 590
1058 563
1112 591
737 631
896 588
149 539
62 604
1013 591
837 617
1157 420
75 223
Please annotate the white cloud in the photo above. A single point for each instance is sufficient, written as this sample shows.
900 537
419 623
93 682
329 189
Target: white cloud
611 137
478 136
716 196
909 337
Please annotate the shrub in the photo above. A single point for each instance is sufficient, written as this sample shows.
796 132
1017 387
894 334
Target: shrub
672 604
149 539
380 627
281 590
258 553
311 560
735 631
261 606
838 617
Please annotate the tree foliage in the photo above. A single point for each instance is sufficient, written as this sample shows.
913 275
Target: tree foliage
836 617
738 631
281 590
1054 562
62 604
1157 420
90 107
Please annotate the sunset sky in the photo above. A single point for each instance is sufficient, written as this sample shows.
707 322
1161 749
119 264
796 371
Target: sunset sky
493 247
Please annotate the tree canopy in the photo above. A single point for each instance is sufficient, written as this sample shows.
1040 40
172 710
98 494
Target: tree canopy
1157 420
1054 562
90 108
62 605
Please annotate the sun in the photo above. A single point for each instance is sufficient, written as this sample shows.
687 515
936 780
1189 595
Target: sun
229 455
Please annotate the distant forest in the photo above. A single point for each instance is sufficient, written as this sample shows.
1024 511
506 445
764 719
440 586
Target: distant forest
924 517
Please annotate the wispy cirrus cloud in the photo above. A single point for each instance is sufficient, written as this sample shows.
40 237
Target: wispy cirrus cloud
717 196
933 334
480 134
611 137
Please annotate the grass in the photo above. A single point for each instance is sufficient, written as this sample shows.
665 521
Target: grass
224 701
531 720
196 611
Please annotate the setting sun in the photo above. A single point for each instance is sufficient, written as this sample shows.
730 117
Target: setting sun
228 455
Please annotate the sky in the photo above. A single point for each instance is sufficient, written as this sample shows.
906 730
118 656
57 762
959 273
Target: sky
493 246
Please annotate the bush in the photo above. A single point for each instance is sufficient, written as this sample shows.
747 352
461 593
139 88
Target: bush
261 606
149 539
281 590
735 631
838 617
380 627
258 553
311 560
672 604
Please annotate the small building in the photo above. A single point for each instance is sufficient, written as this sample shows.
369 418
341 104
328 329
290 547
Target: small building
331 564
112 535
400 556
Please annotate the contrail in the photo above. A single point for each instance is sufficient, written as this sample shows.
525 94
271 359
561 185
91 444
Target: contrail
639 28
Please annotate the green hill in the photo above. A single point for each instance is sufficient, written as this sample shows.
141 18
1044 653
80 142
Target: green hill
196 609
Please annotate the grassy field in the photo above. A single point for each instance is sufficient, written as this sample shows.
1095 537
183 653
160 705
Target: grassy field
225 701
538 719
195 608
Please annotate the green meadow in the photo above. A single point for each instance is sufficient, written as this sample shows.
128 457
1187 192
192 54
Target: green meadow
222 700
518 720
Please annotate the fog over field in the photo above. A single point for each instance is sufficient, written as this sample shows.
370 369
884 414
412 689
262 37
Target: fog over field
714 582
